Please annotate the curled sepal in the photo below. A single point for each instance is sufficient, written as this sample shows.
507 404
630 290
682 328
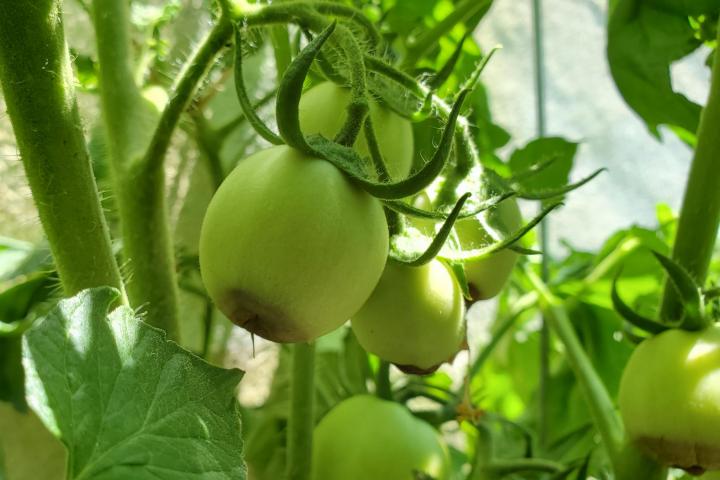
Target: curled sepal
409 210
374 148
523 250
290 90
631 316
326 67
475 76
711 293
437 243
245 103
458 269
425 111
480 253
340 156
689 292
444 73
556 192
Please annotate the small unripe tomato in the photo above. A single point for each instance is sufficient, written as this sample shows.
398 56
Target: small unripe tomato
415 317
322 111
670 398
487 277
365 437
290 249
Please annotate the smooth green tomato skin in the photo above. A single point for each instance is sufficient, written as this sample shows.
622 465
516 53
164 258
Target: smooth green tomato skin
487 277
322 111
670 398
365 438
414 318
289 248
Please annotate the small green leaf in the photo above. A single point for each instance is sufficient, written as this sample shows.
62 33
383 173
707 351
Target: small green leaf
550 159
126 402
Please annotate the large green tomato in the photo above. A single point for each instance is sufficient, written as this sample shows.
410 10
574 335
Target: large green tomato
414 318
322 111
487 277
290 249
670 398
365 438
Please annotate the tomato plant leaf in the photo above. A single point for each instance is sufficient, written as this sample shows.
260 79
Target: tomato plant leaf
643 40
126 402
551 160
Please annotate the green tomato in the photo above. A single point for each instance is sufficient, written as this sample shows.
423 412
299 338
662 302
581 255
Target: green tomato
322 111
487 277
364 438
290 249
670 398
414 318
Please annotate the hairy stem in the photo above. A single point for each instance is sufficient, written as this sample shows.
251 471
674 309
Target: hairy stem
37 84
139 192
700 213
301 421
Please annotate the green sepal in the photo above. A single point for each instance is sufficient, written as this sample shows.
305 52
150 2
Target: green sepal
326 67
556 192
689 292
290 91
375 154
444 73
631 316
458 269
409 210
347 160
245 103
437 243
480 253
475 76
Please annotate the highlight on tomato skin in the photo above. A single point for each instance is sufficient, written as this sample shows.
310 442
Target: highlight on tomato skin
415 317
364 437
289 247
670 398
322 111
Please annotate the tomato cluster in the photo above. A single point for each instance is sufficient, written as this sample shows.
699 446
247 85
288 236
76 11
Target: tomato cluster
291 248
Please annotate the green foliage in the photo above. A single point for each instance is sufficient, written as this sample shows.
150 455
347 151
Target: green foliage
125 401
644 39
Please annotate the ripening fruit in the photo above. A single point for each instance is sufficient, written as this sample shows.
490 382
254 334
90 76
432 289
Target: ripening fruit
365 438
487 277
290 249
414 317
322 111
670 398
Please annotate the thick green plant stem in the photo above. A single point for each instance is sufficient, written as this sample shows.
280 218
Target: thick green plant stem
139 191
700 213
302 420
606 419
37 84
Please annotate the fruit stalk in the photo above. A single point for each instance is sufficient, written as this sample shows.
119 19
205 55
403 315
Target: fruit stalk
37 82
700 213
302 419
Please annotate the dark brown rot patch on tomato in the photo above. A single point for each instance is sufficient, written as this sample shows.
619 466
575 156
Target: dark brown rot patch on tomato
413 370
692 457
263 320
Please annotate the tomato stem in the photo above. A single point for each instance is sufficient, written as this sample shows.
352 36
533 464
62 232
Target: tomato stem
382 384
700 213
37 83
301 420
606 419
